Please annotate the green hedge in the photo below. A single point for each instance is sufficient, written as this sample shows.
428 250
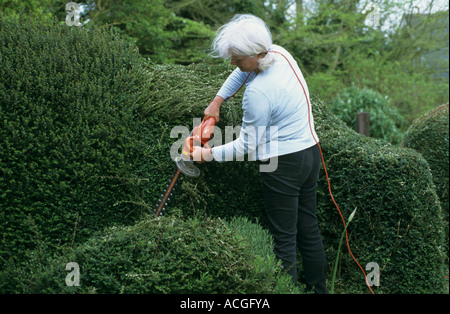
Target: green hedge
168 255
67 133
85 141
398 224
79 154
429 135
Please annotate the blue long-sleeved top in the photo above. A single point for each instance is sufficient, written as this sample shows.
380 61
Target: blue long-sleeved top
275 112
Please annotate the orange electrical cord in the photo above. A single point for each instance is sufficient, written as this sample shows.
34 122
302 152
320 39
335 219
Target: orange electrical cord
325 168
323 160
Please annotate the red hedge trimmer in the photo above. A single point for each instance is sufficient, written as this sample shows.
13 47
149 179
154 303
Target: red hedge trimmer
200 135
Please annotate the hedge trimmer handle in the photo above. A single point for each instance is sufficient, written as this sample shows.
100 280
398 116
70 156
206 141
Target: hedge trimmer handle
200 136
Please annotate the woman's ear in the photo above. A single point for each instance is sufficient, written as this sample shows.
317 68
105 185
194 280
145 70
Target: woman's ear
261 55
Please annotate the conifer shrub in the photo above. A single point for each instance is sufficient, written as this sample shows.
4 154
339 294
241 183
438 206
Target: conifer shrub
86 139
67 120
429 135
398 222
170 255
79 154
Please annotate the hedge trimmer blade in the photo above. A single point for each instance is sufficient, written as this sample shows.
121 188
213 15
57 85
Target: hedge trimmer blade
165 196
185 166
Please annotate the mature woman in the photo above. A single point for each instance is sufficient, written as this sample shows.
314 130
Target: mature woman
275 111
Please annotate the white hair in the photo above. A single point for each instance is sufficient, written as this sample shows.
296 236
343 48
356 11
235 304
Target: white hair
244 35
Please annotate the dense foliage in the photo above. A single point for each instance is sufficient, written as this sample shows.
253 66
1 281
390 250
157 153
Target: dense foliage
68 119
386 123
429 135
403 55
79 154
169 255
398 212
85 143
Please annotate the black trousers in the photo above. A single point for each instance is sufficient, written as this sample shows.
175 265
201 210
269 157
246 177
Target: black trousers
290 206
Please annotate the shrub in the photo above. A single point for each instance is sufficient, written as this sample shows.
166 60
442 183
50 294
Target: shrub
68 111
87 147
386 123
398 222
169 255
174 96
429 136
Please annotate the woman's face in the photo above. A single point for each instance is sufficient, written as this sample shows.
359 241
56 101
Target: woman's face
245 63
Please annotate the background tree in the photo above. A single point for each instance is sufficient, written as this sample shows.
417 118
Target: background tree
337 47
30 7
159 34
216 13
332 40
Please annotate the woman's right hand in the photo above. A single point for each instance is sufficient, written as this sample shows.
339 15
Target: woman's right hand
213 110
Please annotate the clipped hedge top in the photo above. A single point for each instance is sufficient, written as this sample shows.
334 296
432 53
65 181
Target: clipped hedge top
429 135
436 118
168 255
68 111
